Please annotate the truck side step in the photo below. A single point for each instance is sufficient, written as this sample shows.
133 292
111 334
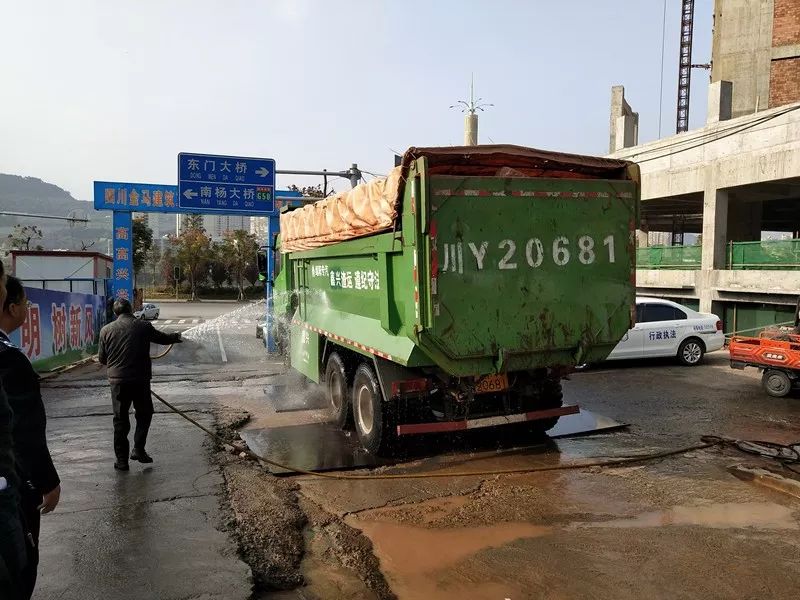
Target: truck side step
445 426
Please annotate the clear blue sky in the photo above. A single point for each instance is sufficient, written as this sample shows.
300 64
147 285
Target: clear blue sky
114 90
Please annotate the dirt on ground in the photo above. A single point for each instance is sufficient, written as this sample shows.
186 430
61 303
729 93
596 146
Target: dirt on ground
287 540
269 525
677 527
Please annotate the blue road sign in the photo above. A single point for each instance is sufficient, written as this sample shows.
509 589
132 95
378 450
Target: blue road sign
136 197
227 184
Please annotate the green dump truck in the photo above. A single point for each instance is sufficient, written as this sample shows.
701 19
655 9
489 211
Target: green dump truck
461 297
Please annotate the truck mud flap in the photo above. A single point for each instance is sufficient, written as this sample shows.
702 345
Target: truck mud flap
390 373
446 426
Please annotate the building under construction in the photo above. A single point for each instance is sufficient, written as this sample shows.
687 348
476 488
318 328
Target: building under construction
734 183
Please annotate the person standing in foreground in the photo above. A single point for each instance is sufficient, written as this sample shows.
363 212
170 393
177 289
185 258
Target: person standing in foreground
125 349
13 547
40 488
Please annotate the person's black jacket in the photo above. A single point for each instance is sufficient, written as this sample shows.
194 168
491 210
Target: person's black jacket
7 469
30 421
125 348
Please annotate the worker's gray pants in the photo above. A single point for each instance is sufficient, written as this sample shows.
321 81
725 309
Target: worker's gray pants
123 395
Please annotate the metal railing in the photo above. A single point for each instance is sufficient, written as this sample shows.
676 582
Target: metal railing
764 255
668 257
759 255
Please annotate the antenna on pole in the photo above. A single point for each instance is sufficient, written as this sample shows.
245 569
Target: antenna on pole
471 116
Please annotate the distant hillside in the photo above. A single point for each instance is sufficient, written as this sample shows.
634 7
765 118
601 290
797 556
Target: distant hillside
32 195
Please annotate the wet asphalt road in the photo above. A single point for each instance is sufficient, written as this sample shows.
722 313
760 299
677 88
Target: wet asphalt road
154 532
682 527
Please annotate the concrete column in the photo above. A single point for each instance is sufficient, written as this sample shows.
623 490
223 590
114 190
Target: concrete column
715 229
720 101
624 133
627 132
715 241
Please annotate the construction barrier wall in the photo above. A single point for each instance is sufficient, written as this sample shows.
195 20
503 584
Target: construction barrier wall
61 328
668 257
766 254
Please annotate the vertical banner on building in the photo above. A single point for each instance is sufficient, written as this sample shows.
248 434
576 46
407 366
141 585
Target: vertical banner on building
123 256
61 327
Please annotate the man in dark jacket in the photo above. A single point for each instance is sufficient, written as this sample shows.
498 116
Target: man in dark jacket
125 349
13 546
40 487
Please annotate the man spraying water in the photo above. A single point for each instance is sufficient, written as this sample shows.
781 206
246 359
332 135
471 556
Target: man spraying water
125 349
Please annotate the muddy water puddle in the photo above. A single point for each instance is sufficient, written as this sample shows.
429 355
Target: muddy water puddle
420 561
754 515
417 560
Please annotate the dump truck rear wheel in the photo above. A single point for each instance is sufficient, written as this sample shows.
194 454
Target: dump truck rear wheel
374 418
552 397
776 383
337 391
542 393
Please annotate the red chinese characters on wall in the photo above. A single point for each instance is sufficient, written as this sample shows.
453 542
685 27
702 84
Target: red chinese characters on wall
75 326
58 320
88 324
32 333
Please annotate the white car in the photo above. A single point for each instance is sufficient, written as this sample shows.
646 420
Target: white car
665 328
149 312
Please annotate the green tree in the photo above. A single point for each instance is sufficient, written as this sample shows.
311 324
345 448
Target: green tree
142 243
22 236
193 250
218 269
153 261
193 222
240 248
166 266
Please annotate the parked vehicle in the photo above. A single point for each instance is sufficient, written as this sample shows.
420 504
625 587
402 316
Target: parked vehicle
149 312
775 352
665 328
458 292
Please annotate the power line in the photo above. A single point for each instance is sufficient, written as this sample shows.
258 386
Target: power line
661 89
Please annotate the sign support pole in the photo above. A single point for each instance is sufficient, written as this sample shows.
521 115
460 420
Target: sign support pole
123 255
273 228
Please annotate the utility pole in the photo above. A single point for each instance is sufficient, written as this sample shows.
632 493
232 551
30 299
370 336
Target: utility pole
471 116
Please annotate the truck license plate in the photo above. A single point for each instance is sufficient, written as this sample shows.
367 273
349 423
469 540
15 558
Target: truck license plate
492 383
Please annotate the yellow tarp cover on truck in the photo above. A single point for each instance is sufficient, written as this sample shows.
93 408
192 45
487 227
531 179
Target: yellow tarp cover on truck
367 208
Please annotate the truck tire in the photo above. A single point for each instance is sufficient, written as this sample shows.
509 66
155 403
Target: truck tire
691 351
374 418
337 391
776 383
552 397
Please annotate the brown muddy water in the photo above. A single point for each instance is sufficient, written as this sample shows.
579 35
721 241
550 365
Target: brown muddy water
416 560
420 559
